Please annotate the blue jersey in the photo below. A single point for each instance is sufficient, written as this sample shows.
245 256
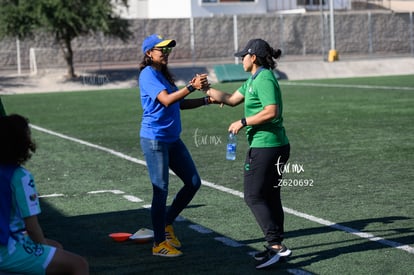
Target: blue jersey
20 254
6 174
24 201
158 122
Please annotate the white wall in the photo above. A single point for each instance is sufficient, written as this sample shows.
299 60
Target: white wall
136 9
229 8
195 8
169 8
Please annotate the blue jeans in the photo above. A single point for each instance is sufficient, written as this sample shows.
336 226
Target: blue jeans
160 156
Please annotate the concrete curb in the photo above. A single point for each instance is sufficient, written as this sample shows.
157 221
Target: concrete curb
121 77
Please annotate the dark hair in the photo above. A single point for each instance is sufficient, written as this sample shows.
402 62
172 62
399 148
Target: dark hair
147 61
16 144
267 61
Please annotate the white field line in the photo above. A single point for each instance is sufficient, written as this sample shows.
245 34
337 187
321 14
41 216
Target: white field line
345 86
132 198
200 229
51 196
117 192
228 242
107 191
350 230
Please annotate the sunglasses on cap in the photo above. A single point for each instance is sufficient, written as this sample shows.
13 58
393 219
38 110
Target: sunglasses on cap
164 50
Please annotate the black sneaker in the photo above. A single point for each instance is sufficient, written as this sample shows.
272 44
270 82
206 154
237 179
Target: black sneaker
283 252
259 256
270 258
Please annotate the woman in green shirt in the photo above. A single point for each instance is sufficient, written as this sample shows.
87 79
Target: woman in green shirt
269 146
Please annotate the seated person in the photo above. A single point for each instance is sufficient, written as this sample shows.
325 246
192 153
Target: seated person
23 247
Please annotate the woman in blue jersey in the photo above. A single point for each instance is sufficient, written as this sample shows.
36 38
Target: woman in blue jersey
269 145
23 247
160 139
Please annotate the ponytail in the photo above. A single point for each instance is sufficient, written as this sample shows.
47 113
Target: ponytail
276 53
267 61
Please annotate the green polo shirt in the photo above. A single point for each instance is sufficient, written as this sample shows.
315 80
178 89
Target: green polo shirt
259 91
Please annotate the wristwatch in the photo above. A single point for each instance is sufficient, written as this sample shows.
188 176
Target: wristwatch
243 122
190 88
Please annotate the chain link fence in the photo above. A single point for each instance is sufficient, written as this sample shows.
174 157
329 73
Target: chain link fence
370 33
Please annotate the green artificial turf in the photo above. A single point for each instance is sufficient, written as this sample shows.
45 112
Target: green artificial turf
353 138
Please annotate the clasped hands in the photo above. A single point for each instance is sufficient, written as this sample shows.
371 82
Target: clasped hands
200 82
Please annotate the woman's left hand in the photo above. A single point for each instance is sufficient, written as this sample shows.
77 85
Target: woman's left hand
200 82
235 127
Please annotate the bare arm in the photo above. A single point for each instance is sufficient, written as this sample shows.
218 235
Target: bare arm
229 99
267 114
167 99
198 82
36 233
34 230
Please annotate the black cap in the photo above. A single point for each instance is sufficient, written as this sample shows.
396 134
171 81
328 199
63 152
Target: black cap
256 46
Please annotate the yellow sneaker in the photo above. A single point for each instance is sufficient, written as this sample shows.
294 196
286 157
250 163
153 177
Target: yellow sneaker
170 237
164 249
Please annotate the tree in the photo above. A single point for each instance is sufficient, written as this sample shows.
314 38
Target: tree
64 19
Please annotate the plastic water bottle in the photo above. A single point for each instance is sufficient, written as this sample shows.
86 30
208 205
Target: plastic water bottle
231 147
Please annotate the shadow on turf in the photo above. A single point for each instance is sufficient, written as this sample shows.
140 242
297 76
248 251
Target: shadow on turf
87 235
7 82
301 260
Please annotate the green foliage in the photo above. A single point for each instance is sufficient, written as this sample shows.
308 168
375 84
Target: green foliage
69 19
18 18
65 20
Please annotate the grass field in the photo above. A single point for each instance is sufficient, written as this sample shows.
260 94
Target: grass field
353 138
